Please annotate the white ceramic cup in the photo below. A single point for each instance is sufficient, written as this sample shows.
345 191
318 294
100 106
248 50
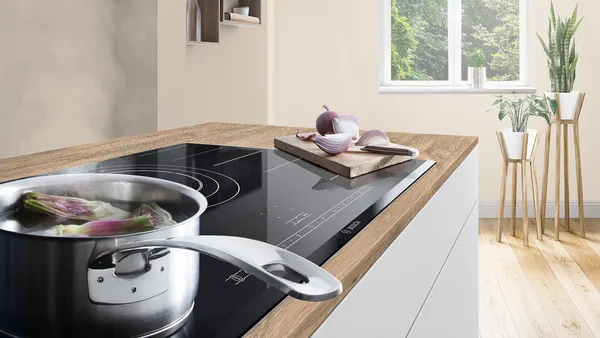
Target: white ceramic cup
242 10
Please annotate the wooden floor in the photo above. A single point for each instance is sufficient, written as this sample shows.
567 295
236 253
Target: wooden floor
549 289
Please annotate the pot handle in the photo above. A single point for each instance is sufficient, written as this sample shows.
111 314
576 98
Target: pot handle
255 257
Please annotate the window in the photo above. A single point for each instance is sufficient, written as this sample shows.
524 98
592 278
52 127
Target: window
427 42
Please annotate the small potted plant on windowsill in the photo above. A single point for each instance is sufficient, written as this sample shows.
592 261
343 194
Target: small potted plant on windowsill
519 110
562 61
477 69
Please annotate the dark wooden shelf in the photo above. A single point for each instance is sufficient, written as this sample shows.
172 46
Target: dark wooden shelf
208 12
255 8
204 27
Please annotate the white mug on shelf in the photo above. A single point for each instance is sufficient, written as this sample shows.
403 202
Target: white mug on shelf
242 10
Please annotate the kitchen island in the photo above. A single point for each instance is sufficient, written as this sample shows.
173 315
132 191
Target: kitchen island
411 272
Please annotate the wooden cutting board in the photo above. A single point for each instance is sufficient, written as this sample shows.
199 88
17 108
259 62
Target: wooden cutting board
348 164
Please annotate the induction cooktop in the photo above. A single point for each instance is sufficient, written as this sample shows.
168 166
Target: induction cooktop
267 195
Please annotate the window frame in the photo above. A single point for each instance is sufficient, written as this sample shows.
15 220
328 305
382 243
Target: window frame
454 55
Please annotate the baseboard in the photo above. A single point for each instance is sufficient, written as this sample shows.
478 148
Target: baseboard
489 209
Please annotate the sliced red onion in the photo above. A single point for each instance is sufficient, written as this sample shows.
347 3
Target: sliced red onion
346 124
107 227
325 121
373 138
305 137
333 144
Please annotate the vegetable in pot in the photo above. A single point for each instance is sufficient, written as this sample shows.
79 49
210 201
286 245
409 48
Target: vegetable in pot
160 217
107 227
72 207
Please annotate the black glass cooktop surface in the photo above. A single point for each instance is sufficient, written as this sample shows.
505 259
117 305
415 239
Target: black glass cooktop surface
267 195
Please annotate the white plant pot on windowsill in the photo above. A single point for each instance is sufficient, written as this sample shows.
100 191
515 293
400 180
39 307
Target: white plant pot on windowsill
514 143
477 77
568 103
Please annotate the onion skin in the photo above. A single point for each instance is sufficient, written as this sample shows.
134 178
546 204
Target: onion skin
324 122
333 144
305 137
374 138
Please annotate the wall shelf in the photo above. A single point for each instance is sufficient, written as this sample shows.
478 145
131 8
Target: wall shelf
205 17
200 43
239 24
255 10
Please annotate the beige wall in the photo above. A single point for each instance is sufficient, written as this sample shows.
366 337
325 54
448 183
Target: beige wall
137 54
331 55
74 72
225 82
58 74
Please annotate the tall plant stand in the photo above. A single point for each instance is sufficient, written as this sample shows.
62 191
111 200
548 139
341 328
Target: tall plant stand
562 125
505 168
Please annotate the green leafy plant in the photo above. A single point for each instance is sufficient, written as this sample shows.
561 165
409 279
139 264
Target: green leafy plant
560 50
520 109
477 58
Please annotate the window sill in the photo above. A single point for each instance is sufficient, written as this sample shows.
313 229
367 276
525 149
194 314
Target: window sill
457 90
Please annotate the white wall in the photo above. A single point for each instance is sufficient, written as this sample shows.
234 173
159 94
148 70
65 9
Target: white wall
329 52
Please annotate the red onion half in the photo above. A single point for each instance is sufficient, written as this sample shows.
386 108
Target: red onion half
346 124
325 121
333 144
374 138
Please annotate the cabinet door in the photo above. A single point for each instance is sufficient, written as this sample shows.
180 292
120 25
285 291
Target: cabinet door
387 300
451 308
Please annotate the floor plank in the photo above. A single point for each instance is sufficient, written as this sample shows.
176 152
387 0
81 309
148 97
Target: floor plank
577 285
586 258
558 306
528 315
593 234
494 318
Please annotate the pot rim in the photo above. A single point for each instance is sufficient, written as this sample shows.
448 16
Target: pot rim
107 177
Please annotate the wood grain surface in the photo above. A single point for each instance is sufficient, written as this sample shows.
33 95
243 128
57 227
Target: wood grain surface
348 164
291 318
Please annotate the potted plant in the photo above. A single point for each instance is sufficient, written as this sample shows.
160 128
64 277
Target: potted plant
562 61
519 110
477 70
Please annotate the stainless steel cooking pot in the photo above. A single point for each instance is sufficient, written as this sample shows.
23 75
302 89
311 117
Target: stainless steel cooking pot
132 285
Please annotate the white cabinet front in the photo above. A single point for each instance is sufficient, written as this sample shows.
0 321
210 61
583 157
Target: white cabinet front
388 299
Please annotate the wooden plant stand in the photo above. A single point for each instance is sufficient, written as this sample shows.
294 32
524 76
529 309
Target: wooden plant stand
563 124
523 162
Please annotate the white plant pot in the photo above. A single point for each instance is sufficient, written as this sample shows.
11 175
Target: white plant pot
568 103
477 77
514 143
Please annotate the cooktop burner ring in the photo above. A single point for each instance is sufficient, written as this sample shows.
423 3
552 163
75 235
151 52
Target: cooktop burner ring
170 168
125 171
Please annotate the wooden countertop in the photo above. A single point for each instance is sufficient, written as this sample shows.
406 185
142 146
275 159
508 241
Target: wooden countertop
292 318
